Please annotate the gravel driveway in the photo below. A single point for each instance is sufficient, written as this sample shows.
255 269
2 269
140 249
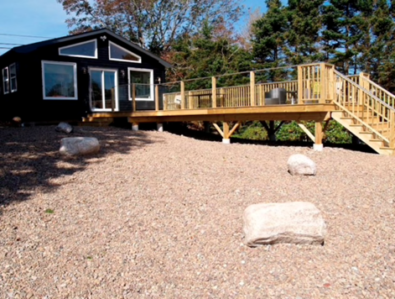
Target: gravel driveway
158 215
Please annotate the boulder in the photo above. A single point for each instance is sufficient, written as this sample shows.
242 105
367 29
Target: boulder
77 146
64 127
293 222
301 165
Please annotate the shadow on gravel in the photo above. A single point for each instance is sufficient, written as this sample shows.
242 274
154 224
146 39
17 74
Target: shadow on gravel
30 159
201 135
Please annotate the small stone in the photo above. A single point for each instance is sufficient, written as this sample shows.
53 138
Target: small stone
301 165
64 128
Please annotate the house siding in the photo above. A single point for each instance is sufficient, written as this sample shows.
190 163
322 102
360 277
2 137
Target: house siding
28 102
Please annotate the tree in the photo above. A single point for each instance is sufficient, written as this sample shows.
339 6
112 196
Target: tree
342 33
153 24
303 35
268 39
210 52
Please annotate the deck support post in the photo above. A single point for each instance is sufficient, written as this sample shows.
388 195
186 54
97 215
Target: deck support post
226 133
226 137
318 146
214 92
252 89
159 127
135 126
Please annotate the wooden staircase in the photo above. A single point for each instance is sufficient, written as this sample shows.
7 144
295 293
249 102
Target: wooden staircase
363 113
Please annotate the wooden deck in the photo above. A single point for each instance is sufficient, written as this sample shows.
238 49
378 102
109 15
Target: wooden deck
311 112
320 93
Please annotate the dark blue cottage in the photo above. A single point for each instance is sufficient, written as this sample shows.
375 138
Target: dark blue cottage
69 77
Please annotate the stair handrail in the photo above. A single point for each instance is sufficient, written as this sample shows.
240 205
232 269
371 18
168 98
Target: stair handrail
365 90
373 97
391 95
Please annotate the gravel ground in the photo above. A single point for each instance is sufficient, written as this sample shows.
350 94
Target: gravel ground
158 215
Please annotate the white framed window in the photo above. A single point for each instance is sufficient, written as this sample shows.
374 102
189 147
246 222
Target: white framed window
118 53
13 85
59 80
86 49
143 80
6 79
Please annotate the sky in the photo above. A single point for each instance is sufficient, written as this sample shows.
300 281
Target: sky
46 19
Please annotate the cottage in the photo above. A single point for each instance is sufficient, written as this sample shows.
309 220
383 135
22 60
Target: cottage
69 77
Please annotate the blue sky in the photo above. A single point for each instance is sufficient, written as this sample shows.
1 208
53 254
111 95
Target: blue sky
44 18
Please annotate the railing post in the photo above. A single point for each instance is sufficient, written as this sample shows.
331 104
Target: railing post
156 97
324 84
252 88
214 92
134 97
300 84
392 129
182 95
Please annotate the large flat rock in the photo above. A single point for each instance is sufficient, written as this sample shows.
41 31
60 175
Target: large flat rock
293 222
79 146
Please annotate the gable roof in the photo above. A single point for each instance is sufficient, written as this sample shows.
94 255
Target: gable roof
32 47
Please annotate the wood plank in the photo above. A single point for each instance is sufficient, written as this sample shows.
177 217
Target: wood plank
218 129
225 126
318 133
308 133
214 92
252 89
182 95
156 97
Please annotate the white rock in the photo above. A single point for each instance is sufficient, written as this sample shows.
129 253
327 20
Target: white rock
64 127
76 146
294 222
301 165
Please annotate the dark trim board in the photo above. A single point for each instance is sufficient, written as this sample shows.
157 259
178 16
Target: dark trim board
34 103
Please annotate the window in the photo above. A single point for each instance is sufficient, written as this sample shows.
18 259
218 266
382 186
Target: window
143 82
86 49
13 77
6 86
120 54
59 80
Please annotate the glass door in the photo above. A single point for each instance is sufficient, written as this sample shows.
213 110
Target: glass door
103 90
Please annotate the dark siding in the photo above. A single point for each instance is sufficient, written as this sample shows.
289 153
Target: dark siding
28 102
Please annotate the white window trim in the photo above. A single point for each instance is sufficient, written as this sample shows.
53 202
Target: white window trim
43 62
123 60
6 80
10 80
116 89
151 99
82 56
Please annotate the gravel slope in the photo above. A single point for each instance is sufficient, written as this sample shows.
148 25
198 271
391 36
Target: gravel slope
157 215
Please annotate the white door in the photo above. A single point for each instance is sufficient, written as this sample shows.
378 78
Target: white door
103 89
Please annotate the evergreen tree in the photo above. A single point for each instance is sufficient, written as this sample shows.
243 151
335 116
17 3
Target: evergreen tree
268 40
303 35
342 33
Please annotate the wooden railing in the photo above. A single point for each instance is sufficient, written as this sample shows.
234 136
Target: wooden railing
228 97
365 107
315 83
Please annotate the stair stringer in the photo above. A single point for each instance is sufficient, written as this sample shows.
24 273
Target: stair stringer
362 132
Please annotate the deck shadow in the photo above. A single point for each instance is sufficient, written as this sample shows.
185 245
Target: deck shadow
30 159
